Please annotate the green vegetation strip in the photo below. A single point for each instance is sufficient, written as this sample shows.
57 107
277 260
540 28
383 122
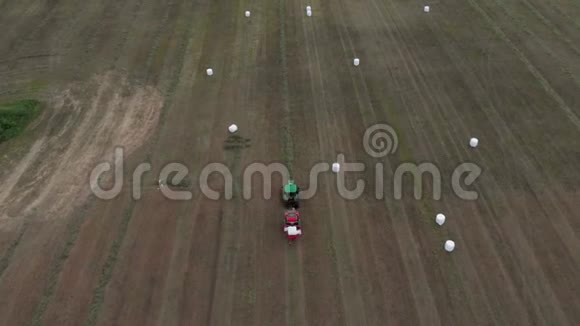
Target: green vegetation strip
288 144
14 117
293 314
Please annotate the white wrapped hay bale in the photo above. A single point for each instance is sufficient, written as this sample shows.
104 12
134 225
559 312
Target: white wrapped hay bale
232 128
356 62
247 13
473 142
209 72
308 8
426 9
440 219
292 230
335 167
449 245
309 13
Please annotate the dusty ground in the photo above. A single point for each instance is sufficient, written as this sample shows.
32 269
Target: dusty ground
132 74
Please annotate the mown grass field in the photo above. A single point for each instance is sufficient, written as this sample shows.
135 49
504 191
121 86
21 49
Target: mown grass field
131 74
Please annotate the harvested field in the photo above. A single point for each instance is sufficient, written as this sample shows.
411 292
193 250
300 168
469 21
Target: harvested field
132 74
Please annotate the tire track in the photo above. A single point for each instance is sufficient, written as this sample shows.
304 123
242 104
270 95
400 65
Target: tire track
414 69
410 65
533 70
531 151
271 279
246 311
157 50
123 38
231 95
112 257
362 265
15 47
553 28
349 285
567 12
496 123
9 253
14 68
529 172
564 65
295 288
221 66
191 310
538 110
448 105
54 261
470 79
373 102
190 223
430 150
310 57
321 288
21 14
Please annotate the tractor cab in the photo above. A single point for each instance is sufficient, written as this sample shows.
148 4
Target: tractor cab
292 217
290 194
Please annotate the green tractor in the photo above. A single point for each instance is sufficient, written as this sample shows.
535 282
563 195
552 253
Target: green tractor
290 194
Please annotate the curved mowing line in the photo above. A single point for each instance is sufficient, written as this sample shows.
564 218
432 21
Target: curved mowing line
107 272
72 233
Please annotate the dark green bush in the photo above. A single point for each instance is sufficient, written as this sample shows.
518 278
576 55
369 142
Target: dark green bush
14 117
